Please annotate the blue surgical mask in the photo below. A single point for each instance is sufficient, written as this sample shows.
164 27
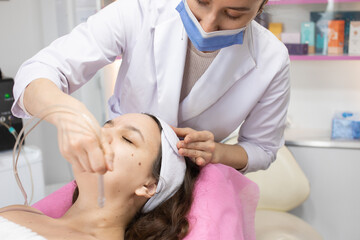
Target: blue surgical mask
202 40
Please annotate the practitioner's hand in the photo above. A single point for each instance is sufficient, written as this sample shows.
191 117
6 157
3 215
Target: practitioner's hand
79 142
197 145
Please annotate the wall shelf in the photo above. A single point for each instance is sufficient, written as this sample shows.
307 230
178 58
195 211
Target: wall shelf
317 138
322 57
286 2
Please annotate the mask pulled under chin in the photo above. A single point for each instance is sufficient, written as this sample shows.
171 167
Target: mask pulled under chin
202 40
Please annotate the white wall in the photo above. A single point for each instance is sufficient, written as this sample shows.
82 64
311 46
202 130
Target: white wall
20 33
26 27
319 89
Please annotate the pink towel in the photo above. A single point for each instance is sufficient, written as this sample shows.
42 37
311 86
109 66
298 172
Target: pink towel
224 205
57 203
223 208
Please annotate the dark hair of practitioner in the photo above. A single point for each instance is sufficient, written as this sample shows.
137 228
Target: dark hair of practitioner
168 221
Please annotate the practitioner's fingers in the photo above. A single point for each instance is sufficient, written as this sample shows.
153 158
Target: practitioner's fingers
80 146
81 159
76 166
200 161
108 152
208 146
182 132
199 136
96 159
197 145
201 158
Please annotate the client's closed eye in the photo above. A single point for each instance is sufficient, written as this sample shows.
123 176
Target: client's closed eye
127 140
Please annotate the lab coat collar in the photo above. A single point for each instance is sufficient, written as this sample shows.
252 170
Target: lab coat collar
170 43
229 66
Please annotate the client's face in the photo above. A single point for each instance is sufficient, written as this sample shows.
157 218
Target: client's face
135 141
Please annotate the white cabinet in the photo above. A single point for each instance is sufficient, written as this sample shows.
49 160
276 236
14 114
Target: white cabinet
9 190
333 206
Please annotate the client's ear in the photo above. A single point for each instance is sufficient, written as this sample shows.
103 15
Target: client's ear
146 191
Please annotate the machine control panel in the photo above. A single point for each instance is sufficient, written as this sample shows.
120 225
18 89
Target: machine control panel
6 101
7 140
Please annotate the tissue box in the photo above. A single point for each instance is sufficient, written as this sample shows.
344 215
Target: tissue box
355 125
346 125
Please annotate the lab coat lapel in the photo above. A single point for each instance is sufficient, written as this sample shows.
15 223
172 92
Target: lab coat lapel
170 43
229 66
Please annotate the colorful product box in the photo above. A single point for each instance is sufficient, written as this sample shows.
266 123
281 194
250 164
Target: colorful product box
321 27
336 36
308 35
290 37
354 38
297 48
276 29
321 37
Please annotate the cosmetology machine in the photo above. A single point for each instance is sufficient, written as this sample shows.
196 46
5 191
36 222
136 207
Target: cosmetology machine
7 140
29 168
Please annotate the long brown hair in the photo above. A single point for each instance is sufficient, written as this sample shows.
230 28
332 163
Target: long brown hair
168 221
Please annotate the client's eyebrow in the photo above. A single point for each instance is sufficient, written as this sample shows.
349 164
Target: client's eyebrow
132 128
128 127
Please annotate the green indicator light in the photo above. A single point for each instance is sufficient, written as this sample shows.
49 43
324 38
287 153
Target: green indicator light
7 95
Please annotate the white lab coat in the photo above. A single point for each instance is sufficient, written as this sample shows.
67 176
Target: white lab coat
246 83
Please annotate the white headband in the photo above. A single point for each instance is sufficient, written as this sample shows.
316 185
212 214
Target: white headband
172 171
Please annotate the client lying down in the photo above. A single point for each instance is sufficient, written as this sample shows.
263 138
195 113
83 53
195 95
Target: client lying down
148 194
